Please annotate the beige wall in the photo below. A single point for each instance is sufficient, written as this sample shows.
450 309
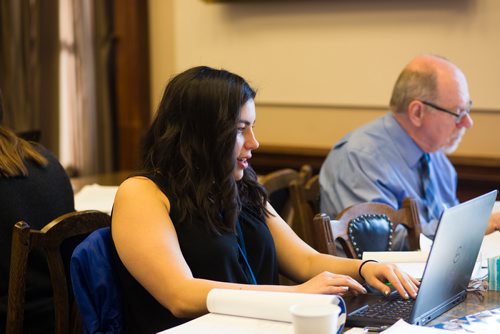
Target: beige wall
161 44
323 68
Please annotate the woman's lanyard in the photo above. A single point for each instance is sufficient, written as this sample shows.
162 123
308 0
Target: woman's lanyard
241 246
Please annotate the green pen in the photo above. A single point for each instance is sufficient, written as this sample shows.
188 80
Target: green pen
390 286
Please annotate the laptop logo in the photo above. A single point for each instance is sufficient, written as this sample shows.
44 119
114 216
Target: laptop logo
457 254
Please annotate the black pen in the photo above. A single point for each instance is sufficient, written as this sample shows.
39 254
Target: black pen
373 329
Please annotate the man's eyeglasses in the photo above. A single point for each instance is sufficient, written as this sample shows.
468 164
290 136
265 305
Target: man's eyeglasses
459 116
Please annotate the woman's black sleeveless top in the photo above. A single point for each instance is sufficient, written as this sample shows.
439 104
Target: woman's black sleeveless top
209 256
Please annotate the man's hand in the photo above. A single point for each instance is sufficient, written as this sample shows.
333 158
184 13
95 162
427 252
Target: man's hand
494 224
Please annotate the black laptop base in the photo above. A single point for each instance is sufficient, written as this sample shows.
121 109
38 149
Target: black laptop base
363 306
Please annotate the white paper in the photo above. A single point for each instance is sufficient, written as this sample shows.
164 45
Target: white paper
496 207
413 262
96 197
355 330
491 245
262 304
213 323
402 327
425 243
242 311
399 257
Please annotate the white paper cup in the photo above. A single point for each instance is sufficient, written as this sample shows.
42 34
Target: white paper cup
315 318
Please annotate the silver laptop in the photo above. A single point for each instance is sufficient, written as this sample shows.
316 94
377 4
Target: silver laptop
447 273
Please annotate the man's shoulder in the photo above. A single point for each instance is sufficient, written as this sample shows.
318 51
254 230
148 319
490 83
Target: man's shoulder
369 138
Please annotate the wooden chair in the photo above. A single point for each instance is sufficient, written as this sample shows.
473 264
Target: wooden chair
305 201
325 243
56 239
277 185
368 227
31 135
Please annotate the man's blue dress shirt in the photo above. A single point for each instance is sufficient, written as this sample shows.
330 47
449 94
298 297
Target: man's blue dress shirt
380 162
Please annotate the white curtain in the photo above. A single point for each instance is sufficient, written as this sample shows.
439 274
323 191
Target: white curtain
85 112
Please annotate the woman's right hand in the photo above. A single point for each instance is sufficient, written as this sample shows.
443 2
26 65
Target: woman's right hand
332 284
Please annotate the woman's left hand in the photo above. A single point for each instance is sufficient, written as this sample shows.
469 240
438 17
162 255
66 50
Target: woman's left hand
378 275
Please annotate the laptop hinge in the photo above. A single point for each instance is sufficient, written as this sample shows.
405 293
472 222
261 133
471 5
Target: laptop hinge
438 310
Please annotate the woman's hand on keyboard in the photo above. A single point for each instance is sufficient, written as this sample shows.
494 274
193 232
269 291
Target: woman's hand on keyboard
382 275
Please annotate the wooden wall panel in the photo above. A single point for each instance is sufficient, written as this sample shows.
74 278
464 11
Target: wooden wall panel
475 175
132 79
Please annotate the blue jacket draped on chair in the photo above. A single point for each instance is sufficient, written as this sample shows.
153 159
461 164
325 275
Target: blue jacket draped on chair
94 286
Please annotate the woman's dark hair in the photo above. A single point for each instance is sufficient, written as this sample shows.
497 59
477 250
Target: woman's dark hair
191 144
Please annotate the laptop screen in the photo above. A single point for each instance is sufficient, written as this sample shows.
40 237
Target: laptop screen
452 256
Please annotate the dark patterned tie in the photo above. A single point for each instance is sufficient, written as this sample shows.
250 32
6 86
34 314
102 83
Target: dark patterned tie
433 206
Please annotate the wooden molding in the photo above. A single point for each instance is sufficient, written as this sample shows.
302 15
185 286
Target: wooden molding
270 158
476 175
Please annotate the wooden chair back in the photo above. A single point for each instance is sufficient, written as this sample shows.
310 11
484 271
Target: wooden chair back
325 243
55 240
406 216
277 184
30 135
305 201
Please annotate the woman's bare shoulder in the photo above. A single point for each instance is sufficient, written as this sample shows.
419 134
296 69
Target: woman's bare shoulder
148 190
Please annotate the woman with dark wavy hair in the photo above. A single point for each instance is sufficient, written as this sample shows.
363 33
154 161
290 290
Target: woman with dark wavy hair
196 218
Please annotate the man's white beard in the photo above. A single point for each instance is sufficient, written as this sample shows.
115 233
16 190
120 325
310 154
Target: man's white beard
452 145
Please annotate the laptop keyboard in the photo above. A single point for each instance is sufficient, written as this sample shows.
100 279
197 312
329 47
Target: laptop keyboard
385 309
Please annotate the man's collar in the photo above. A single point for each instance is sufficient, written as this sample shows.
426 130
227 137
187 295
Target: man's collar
405 145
